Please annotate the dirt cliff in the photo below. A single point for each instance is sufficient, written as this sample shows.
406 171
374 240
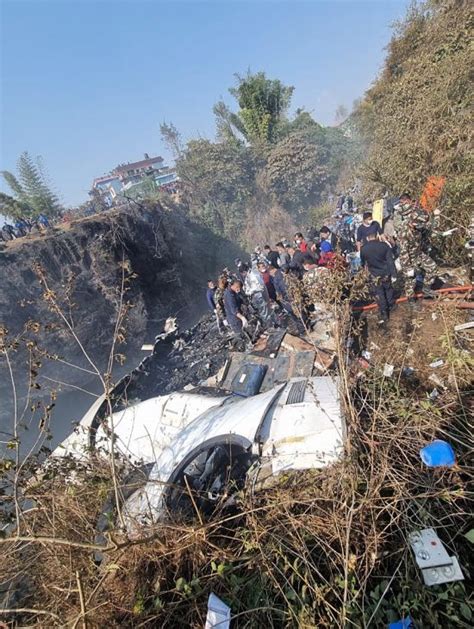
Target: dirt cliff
165 259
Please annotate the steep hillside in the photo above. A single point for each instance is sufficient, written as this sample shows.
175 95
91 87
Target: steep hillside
148 261
416 118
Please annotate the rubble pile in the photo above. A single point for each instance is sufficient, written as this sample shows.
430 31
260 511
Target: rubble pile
180 359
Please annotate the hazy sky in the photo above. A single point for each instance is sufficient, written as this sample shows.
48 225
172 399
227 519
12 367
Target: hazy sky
85 83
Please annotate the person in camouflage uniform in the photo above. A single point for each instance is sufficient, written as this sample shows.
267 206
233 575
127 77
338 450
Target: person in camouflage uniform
219 301
411 226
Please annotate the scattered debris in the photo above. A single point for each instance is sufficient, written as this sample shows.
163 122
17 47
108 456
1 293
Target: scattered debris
448 232
296 344
179 344
434 316
147 347
436 565
324 360
248 380
464 326
438 453
218 613
434 395
437 381
407 372
436 363
428 548
388 370
443 574
367 355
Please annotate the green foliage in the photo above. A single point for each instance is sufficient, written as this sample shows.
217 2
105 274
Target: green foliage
263 105
172 138
217 179
263 164
33 195
12 208
297 171
416 119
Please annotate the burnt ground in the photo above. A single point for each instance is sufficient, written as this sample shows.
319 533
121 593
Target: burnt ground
417 335
180 359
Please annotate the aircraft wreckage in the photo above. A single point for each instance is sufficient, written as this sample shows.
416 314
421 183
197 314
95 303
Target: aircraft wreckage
265 411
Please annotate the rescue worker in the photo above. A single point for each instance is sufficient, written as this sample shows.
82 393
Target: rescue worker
219 302
43 221
211 289
411 230
254 288
377 257
284 257
296 261
263 269
325 234
283 298
9 232
300 242
368 226
271 256
233 308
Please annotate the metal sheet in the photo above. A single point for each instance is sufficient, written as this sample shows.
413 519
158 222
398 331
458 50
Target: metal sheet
443 574
428 549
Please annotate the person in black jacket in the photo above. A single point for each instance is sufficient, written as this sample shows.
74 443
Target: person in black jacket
271 256
377 257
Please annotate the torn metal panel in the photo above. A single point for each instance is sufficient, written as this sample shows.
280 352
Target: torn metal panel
306 430
296 344
443 574
279 369
271 345
218 613
428 549
436 565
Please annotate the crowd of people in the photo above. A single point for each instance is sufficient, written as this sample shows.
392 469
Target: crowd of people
23 226
395 251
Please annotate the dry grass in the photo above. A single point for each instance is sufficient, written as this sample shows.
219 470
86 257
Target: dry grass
322 549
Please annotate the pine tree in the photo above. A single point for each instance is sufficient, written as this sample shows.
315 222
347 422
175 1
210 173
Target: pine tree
31 188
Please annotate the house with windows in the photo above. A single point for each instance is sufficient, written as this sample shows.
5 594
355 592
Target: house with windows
127 176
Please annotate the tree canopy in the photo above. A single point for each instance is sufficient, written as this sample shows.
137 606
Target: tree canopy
263 160
32 194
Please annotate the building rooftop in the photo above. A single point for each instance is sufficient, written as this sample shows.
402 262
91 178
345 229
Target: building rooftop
123 168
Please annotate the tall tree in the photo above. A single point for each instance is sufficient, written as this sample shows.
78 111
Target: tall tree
263 104
12 208
31 188
172 138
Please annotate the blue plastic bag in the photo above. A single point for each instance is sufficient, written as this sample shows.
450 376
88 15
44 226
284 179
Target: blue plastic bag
405 623
438 453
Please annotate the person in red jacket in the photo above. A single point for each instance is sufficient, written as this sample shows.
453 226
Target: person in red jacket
301 242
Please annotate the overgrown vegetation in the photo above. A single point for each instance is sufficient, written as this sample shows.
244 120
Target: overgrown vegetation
263 162
416 119
413 123
321 549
